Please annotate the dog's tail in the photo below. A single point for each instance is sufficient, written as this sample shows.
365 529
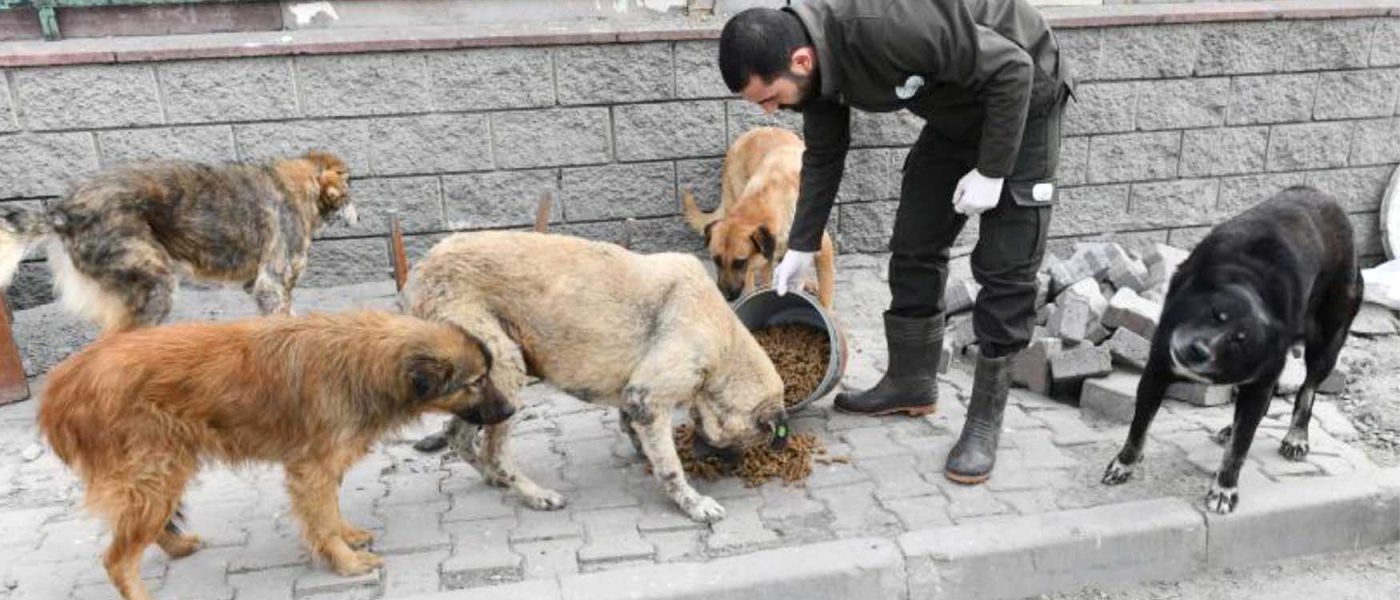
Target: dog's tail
20 230
698 219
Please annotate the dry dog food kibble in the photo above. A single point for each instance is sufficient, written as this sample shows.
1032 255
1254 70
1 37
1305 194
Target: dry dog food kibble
799 352
759 464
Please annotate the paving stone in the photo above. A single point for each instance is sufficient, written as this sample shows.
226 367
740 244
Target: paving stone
481 554
1336 381
1128 310
317 580
412 488
1072 321
538 525
1030 502
1066 429
896 478
478 504
1031 367
599 486
835 474
412 530
872 442
856 510
1162 261
550 558
70 539
268 547
971 501
788 504
1200 394
959 295
1079 363
1113 397
674 546
1038 450
741 529
1129 349
612 536
1327 416
922 512
412 574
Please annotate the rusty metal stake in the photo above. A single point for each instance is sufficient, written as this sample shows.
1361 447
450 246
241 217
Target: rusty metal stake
13 385
542 212
396 254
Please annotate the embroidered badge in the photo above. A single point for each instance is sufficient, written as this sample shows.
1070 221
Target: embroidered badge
911 86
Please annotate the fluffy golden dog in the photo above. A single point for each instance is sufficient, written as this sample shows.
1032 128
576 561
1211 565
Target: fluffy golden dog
644 333
747 235
120 237
136 414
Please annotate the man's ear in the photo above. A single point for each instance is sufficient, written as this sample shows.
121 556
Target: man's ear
803 61
764 240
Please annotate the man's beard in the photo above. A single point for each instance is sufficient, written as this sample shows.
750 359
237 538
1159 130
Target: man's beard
806 86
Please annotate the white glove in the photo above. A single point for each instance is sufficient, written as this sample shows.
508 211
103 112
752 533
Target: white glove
976 193
792 270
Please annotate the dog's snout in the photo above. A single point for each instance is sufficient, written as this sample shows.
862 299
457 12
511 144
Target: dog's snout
703 449
1197 352
487 414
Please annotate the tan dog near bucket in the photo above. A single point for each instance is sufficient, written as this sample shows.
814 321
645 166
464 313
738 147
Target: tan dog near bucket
643 333
747 235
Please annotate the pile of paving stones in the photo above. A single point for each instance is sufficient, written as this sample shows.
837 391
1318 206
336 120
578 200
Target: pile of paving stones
1097 311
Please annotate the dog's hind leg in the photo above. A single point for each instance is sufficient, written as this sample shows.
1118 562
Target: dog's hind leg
174 541
138 509
1151 387
1250 406
1326 335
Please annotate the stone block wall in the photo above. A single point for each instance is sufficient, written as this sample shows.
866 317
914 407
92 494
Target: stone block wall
1177 126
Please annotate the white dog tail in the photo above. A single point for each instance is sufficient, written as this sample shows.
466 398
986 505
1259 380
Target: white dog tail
20 230
698 219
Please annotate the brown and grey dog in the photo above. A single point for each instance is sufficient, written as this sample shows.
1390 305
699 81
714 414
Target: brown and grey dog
644 333
748 233
118 239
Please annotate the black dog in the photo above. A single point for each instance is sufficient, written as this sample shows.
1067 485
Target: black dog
1282 272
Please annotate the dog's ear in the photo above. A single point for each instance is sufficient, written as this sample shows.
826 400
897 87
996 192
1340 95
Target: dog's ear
709 231
429 377
764 240
331 174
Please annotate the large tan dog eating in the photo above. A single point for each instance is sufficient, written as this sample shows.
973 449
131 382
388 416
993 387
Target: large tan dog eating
644 333
748 233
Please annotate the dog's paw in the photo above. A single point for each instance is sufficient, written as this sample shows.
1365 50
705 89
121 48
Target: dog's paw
1222 500
357 538
1293 448
1224 436
182 545
362 562
546 500
1117 472
705 510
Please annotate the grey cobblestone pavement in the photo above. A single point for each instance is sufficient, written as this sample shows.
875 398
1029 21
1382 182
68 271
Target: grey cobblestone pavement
441 528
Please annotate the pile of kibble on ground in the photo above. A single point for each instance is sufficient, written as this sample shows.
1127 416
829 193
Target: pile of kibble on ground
792 464
800 353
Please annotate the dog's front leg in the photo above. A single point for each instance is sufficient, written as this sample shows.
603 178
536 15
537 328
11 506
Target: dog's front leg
653 427
1151 388
1250 406
314 487
271 295
485 448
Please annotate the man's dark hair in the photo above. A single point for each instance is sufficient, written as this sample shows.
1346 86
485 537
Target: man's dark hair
759 41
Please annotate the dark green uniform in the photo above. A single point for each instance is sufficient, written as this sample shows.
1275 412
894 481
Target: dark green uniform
987 77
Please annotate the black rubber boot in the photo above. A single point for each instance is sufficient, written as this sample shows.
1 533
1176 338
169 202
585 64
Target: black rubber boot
971 460
910 384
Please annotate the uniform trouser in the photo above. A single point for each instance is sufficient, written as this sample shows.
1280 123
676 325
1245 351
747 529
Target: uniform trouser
1011 237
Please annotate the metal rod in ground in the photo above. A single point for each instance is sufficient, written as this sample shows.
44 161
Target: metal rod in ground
627 227
13 386
542 212
396 253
